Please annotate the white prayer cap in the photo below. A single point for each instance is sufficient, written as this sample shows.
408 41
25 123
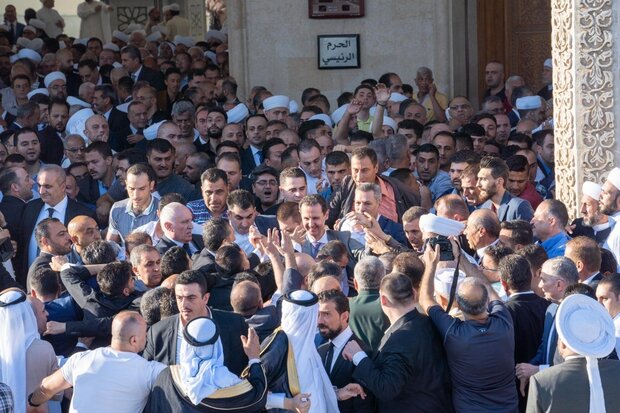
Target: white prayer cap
238 113
592 189
293 107
304 298
339 113
215 34
39 24
529 102
150 133
29 54
211 56
30 29
123 107
397 97
39 91
73 101
153 37
277 101
614 177
440 225
52 77
548 63
133 27
200 332
36 44
111 46
586 328
120 36
325 118
23 42
184 40
117 64
76 123
443 281
387 121
172 7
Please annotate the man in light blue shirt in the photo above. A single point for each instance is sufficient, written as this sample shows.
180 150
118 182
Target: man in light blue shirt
548 225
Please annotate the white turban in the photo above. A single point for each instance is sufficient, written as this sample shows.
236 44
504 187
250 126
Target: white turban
184 40
238 113
52 77
39 24
293 107
387 121
443 281
77 123
150 133
73 101
586 328
277 101
29 54
529 102
592 189
339 113
614 177
325 118
41 91
120 36
111 46
440 225
153 37
215 34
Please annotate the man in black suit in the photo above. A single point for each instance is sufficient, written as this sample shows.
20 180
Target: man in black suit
131 60
89 72
526 308
192 298
409 371
333 323
53 239
53 203
243 216
130 134
16 186
365 168
104 103
586 255
51 138
15 28
256 131
176 224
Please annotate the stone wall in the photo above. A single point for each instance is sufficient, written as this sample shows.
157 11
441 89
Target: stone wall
274 44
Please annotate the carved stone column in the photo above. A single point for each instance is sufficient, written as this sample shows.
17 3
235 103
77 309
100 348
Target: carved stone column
583 94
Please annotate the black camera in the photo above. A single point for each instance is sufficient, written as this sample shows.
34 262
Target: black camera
445 247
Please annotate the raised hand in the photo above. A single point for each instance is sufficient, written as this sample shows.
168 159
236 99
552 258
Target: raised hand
382 93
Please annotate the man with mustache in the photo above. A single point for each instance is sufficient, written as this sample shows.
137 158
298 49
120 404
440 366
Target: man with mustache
160 155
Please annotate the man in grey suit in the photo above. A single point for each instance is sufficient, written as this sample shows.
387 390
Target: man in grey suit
314 215
492 180
581 383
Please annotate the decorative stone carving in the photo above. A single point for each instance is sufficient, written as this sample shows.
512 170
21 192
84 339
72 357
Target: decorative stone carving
582 95
128 15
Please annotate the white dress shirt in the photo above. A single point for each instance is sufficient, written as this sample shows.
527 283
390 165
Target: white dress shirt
60 211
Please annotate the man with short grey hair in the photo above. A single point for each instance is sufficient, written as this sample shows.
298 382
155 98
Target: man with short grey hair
487 327
366 318
183 113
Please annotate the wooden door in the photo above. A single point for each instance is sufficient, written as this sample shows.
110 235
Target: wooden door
517 33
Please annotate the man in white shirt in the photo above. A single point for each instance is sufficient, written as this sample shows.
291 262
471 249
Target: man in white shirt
311 162
110 379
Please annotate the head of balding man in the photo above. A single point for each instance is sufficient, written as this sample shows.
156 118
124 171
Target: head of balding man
83 231
245 298
472 298
325 283
128 332
482 229
176 222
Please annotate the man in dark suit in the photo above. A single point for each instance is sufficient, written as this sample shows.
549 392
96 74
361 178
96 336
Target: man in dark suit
256 131
333 323
51 138
586 255
492 180
53 203
243 216
15 28
132 62
53 239
526 308
130 134
192 298
176 224
591 216
396 197
16 186
409 371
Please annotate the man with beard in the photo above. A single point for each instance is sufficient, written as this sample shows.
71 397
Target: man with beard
234 132
195 165
226 93
256 130
593 223
160 155
16 187
52 239
446 145
437 180
518 183
99 161
209 123
56 84
52 136
492 179
458 163
104 103
265 189
214 193
27 144
609 204
333 324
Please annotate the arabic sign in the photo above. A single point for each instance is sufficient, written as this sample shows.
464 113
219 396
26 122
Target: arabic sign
339 51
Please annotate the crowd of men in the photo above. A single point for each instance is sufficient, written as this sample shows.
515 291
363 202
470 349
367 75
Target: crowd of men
168 247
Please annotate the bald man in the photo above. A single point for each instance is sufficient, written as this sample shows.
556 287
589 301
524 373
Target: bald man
175 220
247 301
83 231
482 231
107 375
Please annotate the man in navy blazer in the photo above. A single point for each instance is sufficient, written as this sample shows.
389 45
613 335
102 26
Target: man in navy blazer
131 60
10 19
492 180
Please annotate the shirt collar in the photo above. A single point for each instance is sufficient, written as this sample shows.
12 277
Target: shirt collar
480 251
148 210
60 207
323 240
589 279
342 338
